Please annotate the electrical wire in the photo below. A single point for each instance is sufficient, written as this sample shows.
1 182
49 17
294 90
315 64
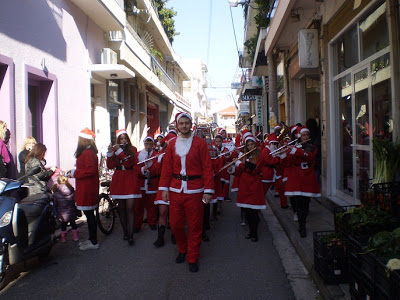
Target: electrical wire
209 32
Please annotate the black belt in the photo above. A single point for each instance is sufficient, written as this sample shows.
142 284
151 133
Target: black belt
186 177
121 169
151 177
270 166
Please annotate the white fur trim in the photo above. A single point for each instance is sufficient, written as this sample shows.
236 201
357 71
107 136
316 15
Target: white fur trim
237 163
110 154
72 173
268 181
232 171
209 191
143 154
282 156
122 131
160 157
251 206
119 151
86 136
182 146
299 193
130 196
250 138
162 188
304 130
87 207
184 114
293 150
161 202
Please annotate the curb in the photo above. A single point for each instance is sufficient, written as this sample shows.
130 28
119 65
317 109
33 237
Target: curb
305 252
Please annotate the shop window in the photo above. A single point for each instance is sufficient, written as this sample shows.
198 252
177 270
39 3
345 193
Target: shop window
374 32
346 50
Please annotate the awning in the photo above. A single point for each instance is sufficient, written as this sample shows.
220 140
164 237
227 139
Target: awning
112 71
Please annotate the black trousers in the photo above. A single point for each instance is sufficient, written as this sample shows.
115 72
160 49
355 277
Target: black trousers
303 207
252 219
206 217
92 225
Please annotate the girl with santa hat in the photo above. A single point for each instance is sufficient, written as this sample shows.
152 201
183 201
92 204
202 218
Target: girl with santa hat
124 186
87 184
302 183
251 195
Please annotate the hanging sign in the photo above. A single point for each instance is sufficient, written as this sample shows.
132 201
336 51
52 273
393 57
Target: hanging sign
308 48
251 97
259 112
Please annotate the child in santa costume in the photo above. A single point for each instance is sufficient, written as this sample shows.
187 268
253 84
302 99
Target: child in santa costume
302 181
251 195
148 177
87 184
186 180
124 184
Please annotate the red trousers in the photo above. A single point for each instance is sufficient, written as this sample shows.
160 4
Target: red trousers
146 202
190 207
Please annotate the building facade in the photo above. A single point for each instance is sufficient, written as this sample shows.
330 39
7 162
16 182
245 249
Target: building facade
335 64
102 64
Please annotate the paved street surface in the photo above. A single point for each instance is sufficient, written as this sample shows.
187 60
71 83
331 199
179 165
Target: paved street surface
230 267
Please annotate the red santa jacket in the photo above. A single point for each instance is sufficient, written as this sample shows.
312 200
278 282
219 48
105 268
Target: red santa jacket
251 192
149 180
302 180
124 183
87 180
270 162
187 157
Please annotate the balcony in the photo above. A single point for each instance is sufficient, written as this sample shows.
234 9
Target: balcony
109 15
183 100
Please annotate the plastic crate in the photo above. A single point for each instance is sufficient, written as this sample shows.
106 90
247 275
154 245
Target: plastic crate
386 283
330 258
360 287
364 262
387 196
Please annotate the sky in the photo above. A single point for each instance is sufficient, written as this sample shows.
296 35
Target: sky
221 57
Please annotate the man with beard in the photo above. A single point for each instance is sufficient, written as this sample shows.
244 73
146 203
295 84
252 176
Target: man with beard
186 181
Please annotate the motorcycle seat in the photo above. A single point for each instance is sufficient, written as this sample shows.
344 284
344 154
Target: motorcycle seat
33 205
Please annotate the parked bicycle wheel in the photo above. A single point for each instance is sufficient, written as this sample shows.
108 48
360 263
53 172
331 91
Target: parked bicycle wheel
105 214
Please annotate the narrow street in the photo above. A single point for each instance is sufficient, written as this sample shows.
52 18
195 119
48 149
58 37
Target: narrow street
231 267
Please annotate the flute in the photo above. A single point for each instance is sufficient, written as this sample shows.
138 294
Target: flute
281 148
240 157
148 159
225 153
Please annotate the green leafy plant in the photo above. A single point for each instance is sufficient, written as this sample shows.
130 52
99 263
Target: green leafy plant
166 16
363 220
387 156
157 54
385 244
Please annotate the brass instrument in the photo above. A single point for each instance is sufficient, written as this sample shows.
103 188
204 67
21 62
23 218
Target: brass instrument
284 131
240 157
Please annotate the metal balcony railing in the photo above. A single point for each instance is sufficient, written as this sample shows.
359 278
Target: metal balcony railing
183 100
162 74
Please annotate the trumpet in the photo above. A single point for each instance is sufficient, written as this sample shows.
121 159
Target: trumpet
284 131
240 157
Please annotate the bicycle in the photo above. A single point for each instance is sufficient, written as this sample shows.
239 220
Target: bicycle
107 210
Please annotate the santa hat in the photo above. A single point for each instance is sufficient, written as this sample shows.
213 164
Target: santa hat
243 128
265 135
171 134
173 131
245 134
277 127
87 134
304 129
148 138
159 135
218 135
272 138
220 130
182 114
250 137
293 128
120 131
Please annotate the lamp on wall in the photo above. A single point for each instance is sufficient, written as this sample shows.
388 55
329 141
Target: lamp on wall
294 15
113 75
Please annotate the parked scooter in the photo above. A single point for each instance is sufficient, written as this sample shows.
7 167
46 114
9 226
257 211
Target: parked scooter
27 224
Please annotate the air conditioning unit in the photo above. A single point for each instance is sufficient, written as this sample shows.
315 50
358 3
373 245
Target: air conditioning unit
109 56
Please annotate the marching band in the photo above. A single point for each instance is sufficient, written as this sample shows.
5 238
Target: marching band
172 174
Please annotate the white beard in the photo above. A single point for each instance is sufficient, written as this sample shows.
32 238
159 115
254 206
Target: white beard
272 147
182 145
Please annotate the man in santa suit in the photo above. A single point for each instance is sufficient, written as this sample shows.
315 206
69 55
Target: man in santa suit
186 180
148 177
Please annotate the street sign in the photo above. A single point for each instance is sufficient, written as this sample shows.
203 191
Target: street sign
236 85
259 112
256 81
308 48
251 97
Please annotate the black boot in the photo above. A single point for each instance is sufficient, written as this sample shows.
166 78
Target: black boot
160 240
